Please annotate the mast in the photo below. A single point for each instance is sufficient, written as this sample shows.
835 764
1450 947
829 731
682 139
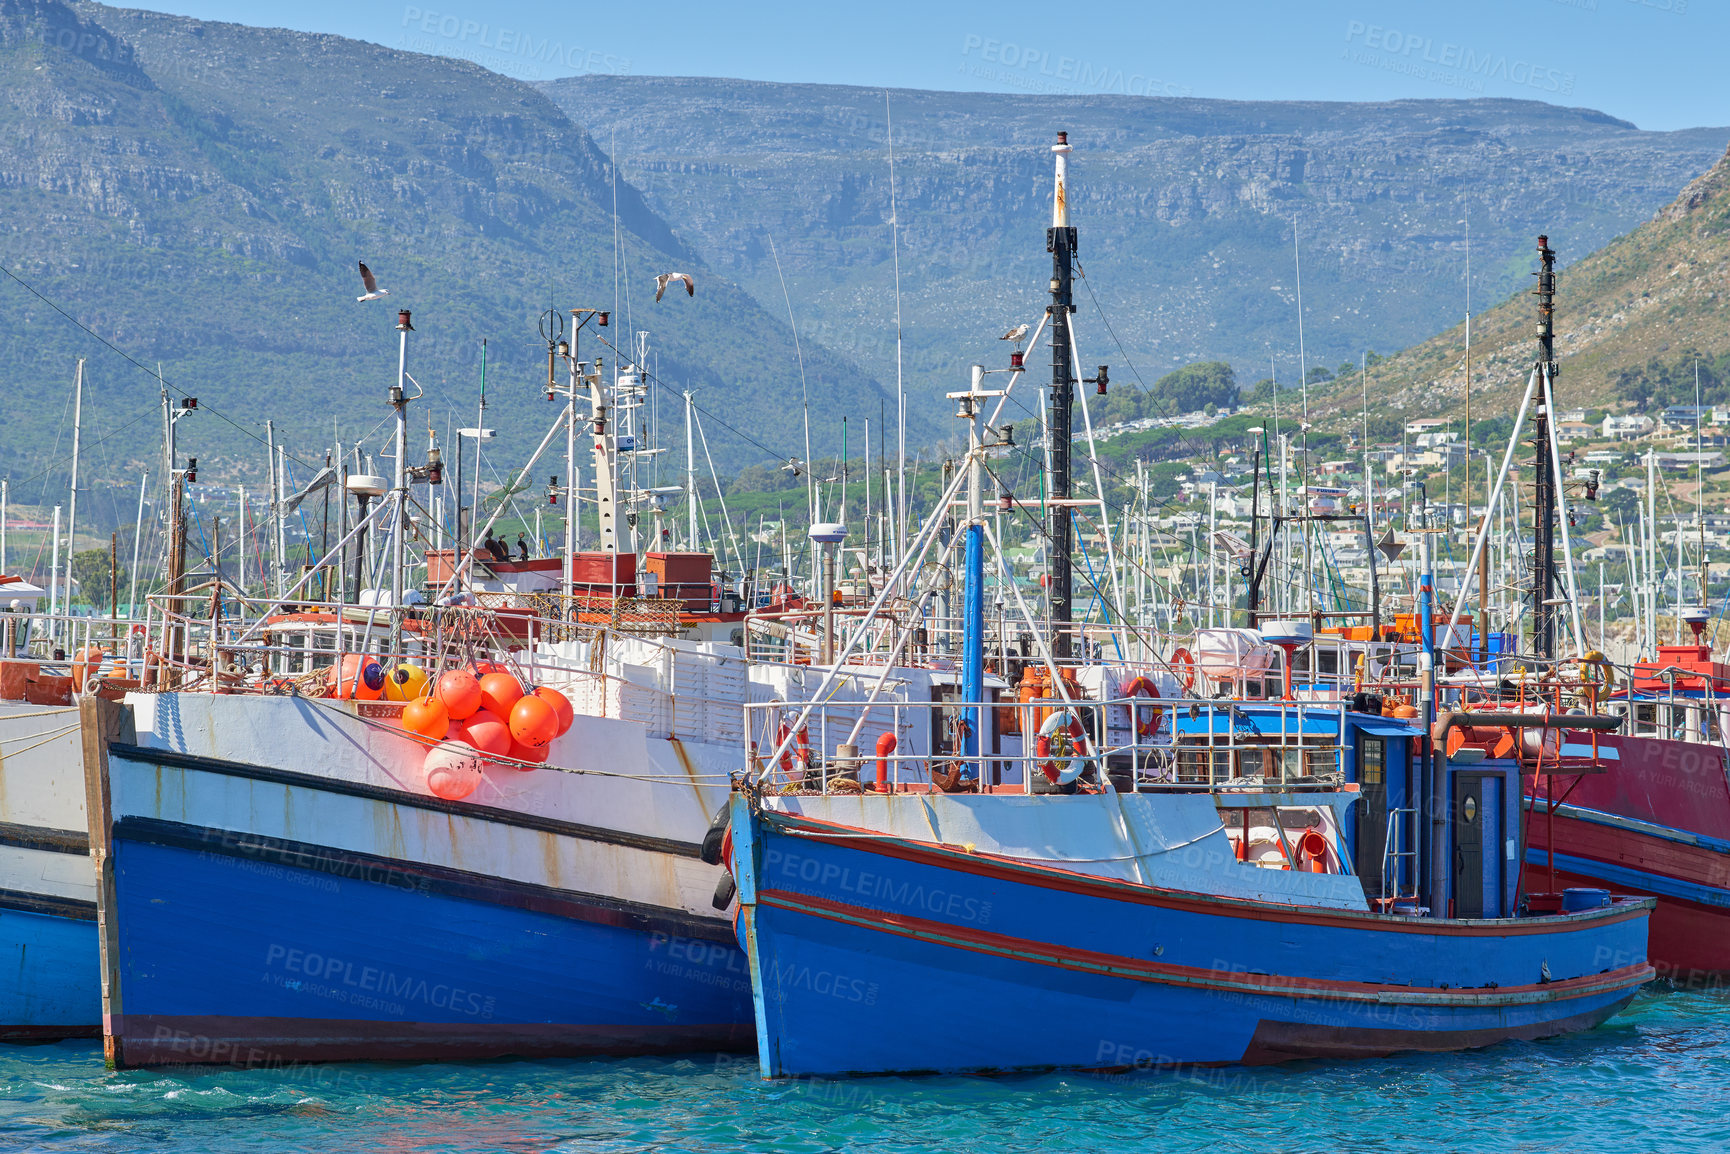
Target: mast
72 509
973 605
275 507
690 476
137 532
1544 485
1060 242
400 479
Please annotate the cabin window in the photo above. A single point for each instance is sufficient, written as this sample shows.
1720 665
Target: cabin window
1372 761
1271 688
1645 715
1328 662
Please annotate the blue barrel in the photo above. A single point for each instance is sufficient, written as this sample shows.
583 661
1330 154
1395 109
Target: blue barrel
1583 898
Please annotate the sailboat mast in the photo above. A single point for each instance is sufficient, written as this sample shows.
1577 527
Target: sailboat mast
1060 242
1544 496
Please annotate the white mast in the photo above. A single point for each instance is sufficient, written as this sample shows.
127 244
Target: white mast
900 391
691 477
241 489
54 574
138 532
275 584
72 511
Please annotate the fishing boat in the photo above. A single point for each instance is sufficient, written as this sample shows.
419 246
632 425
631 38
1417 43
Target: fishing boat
1150 879
1657 823
321 833
47 890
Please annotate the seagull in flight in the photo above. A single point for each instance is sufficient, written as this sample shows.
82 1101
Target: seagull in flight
667 278
373 292
1015 334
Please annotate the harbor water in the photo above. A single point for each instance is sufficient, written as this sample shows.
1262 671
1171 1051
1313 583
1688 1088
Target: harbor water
1656 1077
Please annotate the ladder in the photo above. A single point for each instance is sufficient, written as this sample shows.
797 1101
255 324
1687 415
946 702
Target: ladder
1395 847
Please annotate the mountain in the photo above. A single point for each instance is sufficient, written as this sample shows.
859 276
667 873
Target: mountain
1185 209
199 193
1631 320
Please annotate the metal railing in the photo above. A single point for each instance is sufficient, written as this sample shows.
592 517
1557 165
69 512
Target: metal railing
1135 744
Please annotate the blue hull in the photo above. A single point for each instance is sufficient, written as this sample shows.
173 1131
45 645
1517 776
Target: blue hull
877 955
49 971
238 949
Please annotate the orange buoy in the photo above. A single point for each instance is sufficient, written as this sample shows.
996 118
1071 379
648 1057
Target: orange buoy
460 692
85 663
500 691
533 721
428 717
561 706
536 754
487 732
360 677
453 770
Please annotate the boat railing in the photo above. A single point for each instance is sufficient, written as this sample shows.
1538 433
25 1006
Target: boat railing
1692 719
1133 744
795 636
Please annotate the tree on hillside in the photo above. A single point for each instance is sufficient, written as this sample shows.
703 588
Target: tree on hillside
1196 386
90 570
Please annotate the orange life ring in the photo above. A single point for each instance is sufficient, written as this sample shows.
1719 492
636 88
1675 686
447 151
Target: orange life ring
1143 687
1183 665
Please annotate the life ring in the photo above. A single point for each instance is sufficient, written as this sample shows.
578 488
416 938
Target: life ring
801 742
1183 665
1596 669
1062 736
1143 687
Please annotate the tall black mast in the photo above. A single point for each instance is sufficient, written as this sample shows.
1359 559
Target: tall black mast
1544 479
1060 242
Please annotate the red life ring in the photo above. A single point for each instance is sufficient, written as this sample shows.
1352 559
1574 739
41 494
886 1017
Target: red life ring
1066 728
1143 687
1183 665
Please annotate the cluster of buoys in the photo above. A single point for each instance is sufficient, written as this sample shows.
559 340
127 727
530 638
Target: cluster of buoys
478 714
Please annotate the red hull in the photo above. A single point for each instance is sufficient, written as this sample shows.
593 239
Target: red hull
1657 823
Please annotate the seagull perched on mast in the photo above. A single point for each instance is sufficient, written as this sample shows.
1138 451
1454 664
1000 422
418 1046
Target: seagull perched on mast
667 278
373 292
1015 334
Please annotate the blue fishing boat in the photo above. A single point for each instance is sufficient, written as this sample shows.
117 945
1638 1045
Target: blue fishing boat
1132 877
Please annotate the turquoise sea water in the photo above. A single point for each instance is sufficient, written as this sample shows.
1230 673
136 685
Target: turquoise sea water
1655 1078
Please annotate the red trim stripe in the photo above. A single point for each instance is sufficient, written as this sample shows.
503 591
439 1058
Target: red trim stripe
1053 878
1137 969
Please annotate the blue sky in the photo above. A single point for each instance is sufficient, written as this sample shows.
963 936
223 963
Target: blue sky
1656 63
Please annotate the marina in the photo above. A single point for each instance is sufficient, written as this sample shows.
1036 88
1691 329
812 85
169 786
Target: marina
635 711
